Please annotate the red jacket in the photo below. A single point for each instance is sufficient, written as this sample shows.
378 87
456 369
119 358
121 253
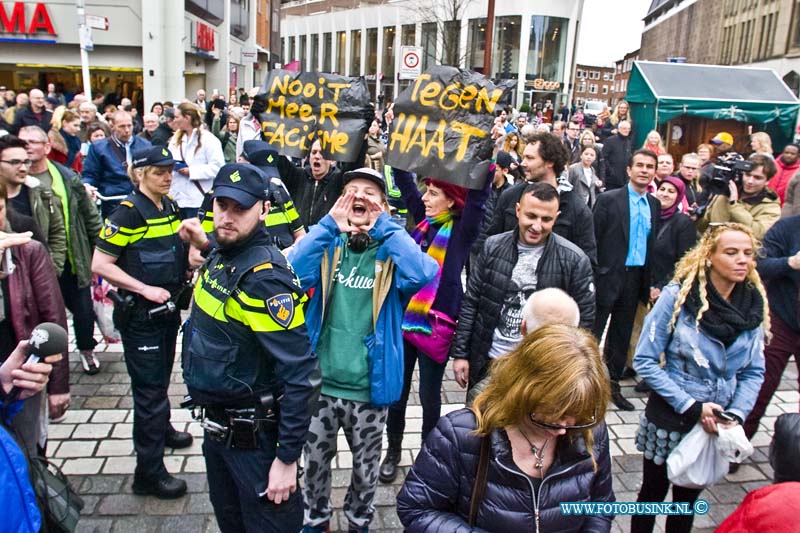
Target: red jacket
770 509
35 297
780 181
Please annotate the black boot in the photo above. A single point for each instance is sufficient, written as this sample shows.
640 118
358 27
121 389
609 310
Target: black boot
388 470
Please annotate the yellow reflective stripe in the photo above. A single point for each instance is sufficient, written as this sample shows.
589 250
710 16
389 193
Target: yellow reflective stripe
162 230
249 301
291 212
207 224
210 305
276 219
261 322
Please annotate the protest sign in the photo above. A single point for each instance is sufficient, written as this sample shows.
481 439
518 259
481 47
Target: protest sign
442 125
302 106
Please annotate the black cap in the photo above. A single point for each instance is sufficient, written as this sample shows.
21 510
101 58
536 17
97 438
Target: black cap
155 156
241 182
168 112
504 159
263 156
366 174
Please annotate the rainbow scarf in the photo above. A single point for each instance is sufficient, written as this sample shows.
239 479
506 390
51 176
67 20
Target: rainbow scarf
416 317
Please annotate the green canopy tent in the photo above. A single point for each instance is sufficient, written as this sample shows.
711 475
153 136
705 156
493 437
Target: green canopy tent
661 92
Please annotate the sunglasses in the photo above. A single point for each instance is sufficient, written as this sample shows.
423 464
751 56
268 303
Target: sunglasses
559 427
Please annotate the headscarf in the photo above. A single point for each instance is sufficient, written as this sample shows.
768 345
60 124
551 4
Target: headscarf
676 182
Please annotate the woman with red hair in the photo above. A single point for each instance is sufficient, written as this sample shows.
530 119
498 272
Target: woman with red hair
449 219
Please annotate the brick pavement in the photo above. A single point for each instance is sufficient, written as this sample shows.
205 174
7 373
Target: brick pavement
94 448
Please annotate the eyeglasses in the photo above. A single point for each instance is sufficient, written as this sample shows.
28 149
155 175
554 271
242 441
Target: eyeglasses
17 162
558 427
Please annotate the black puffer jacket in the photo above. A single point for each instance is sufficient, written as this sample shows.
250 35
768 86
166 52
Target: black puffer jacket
436 494
574 222
562 265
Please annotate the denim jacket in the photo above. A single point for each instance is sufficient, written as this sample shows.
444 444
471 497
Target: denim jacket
698 367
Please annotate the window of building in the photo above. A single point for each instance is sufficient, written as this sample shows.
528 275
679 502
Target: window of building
355 52
593 88
795 35
547 48
387 58
408 34
476 44
372 51
605 89
327 48
582 87
315 52
428 44
505 47
240 19
290 56
302 56
341 50
283 47
451 41
212 11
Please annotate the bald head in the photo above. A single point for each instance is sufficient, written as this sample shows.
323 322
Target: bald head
37 100
549 306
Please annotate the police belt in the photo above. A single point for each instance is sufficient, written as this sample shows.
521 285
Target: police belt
237 427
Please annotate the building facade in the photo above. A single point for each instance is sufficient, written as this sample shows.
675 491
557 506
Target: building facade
758 33
534 42
593 83
622 73
152 50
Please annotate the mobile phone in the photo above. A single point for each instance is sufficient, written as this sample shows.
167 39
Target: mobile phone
180 164
723 415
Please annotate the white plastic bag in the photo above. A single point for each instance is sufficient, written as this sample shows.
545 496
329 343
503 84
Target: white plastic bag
696 463
104 309
733 444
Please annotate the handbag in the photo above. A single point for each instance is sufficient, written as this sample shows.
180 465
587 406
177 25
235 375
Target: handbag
59 502
436 345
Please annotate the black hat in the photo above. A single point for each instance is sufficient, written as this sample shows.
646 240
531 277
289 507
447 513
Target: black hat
169 112
242 183
155 156
263 156
366 174
504 159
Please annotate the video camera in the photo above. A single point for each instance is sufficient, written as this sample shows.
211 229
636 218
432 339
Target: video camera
728 167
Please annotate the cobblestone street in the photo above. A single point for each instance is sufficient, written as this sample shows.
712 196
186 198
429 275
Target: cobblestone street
93 446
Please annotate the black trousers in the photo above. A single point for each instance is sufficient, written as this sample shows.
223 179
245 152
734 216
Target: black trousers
149 347
623 312
236 477
79 302
655 485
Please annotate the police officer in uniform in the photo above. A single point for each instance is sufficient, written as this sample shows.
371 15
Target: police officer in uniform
282 222
140 252
247 360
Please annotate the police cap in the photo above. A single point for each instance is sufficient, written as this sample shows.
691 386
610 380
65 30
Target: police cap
242 183
155 156
262 155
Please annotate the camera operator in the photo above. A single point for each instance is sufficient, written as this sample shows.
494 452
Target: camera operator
746 200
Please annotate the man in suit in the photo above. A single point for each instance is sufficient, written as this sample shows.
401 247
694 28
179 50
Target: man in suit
625 224
617 154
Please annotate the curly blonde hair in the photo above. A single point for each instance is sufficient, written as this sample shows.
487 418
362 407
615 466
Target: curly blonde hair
694 266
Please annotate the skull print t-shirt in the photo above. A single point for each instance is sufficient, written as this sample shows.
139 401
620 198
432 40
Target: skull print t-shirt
522 285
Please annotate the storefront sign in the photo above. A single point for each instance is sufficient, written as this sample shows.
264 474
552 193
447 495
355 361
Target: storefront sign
442 125
302 106
204 37
13 19
540 84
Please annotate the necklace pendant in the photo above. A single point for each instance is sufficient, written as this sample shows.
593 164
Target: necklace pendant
539 465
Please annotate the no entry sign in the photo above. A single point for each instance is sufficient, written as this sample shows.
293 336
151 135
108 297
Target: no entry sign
410 62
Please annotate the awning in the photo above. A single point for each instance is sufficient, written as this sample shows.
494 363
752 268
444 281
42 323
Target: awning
659 92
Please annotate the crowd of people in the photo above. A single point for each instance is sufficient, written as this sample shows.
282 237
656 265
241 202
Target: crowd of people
315 288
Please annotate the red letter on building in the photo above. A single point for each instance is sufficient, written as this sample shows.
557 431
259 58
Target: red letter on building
16 24
41 20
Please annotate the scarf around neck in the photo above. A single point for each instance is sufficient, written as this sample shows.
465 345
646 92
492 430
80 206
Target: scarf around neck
726 320
416 317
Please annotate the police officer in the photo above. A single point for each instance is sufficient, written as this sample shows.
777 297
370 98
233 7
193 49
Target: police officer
140 252
282 222
247 360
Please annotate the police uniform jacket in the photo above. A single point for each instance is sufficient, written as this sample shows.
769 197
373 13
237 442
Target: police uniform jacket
247 336
145 240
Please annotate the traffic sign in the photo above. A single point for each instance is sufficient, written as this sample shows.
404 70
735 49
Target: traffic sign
410 62
97 22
